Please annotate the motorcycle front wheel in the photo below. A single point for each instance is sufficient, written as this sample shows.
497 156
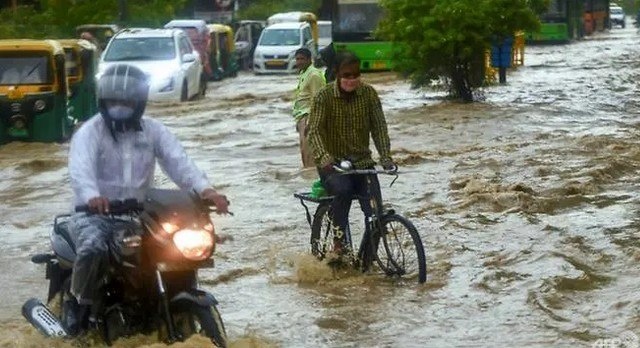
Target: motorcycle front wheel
204 320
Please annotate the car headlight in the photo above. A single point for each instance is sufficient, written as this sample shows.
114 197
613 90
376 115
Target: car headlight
166 83
194 244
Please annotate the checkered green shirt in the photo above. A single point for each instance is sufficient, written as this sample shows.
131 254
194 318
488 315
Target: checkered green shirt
340 127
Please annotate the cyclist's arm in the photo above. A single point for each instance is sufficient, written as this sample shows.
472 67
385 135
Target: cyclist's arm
317 123
379 131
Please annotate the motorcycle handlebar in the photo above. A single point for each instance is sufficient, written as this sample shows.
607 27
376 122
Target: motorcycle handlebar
116 207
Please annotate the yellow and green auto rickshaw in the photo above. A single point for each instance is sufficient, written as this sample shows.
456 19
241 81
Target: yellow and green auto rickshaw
222 57
33 91
80 61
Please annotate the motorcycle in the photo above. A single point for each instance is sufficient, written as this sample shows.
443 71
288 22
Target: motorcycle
152 280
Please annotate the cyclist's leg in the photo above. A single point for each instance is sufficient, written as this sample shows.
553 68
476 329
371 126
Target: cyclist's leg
368 187
341 187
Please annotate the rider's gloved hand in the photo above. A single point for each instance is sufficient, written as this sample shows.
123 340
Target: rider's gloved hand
220 201
389 166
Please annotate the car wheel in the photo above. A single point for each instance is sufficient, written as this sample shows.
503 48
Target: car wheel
184 95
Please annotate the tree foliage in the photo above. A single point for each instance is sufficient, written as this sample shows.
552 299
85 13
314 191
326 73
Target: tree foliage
58 18
448 38
262 9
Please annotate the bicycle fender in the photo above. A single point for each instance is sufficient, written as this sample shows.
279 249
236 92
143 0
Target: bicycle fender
196 296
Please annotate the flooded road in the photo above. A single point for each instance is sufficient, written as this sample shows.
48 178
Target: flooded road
527 204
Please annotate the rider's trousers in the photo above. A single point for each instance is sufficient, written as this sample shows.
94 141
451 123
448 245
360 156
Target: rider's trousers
92 236
344 188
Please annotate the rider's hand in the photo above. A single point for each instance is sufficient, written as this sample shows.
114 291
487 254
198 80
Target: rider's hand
327 167
99 204
220 201
389 166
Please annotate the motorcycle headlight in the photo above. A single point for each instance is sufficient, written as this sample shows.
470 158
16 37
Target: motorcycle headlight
169 227
194 244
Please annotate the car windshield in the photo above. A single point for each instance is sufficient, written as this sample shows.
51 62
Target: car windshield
325 30
143 48
22 68
617 11
280 37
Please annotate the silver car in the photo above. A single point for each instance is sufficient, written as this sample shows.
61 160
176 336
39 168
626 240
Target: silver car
165 55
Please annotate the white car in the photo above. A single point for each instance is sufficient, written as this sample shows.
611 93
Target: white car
275 52
165 55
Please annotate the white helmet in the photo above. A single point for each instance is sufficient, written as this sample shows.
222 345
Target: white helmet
127 87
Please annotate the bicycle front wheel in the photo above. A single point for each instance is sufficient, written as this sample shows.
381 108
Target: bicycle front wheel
400 251
322 237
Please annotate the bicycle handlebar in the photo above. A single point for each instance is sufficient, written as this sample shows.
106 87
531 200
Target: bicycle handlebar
365 171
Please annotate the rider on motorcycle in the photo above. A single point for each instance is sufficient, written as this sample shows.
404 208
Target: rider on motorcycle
112 157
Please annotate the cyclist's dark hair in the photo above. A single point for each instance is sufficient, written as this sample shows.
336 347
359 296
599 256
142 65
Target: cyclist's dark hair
304 51
346 58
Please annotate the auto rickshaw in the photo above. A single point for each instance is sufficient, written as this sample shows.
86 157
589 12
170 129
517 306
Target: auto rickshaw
81 61
33 91
223 58
247 36
101 33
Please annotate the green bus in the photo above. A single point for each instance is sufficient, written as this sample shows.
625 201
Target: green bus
353 26
562 22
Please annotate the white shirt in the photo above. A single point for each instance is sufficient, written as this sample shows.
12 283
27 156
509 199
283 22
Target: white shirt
100 166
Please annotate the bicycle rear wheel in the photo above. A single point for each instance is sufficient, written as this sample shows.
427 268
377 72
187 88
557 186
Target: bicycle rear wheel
400 251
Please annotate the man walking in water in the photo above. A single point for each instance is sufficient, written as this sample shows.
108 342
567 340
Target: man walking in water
310 81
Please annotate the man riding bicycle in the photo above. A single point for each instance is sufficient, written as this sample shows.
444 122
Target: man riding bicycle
345 114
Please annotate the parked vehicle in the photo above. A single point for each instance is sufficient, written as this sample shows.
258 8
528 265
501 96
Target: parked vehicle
81 63
166 55
324 34
616 16
33 91
102 33
198 33
152 283
223 58
247 36
297 16
278 43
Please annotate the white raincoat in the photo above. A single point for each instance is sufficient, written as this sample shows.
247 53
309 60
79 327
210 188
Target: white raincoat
100 166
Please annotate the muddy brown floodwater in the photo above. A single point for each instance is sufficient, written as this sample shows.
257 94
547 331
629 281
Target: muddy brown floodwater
527 204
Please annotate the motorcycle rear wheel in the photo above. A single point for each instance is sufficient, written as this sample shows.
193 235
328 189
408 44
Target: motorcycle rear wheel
204 320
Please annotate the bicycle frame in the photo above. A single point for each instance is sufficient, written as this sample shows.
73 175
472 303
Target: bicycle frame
372 223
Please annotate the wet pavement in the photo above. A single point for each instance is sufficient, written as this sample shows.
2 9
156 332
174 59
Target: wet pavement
527 204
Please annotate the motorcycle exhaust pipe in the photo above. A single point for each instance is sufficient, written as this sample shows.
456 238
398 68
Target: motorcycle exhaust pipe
42 319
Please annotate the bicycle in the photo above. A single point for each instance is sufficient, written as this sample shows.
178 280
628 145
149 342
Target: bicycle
389 239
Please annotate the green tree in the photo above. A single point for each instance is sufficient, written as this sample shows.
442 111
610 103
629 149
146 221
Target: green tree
436 39
262 9
58 18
